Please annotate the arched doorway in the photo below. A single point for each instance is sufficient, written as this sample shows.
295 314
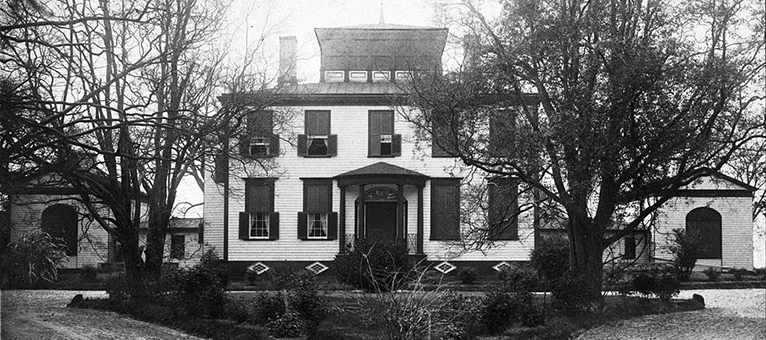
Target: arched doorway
60 221
381 209
705 223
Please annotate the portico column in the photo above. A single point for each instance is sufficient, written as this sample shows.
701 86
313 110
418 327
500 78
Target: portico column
342 226
360 212
419 246
400 230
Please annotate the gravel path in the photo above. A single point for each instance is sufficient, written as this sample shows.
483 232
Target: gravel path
731 314
42 314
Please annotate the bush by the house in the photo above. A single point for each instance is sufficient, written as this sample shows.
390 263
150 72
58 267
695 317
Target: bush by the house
200 290
461 313
568 294
268 306
519 278
253 278
655 280
89 273
739 273
551 258
32 261
712 274
467 275
288 325
374 265
760 272
686 249
500 309
307 302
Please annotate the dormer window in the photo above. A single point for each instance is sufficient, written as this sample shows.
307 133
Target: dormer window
334 76
403 75
381 76
358 76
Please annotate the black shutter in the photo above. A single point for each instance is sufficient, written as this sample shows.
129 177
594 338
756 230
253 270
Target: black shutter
244 226
201 233
332 226
630 248
302 145
274 226
374 133
221 168
332 145
303 225
274 145
396 145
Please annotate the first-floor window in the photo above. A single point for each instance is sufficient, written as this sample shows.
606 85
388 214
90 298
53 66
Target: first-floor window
317 225
259 225
630 248
317 221
259 221
177 247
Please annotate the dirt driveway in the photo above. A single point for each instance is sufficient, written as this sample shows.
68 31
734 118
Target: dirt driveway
42 314
729 314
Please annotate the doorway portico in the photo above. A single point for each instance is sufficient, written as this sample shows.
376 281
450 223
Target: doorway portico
380 209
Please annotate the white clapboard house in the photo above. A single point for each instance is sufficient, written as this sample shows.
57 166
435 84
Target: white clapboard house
333 161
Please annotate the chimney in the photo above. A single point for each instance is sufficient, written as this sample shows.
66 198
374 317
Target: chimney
288 73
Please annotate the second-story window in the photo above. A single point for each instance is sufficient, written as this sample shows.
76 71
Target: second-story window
383 142
259 140
317 140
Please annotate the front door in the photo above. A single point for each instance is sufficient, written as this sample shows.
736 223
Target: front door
380 219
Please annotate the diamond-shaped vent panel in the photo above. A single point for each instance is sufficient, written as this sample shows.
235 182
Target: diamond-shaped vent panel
502 265
317 267
258 267
445 267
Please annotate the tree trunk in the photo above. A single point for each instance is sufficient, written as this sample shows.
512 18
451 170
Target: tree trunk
586 254
134 266
155 243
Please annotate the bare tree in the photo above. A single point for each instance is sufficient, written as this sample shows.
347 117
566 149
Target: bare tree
606 108
121 97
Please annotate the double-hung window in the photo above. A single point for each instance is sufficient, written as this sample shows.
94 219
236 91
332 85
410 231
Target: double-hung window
503 209
259 221
259 140
383 142
317 140
317 221
445 209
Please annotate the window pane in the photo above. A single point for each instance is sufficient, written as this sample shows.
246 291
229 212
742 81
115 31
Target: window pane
318 146
259 225
317 225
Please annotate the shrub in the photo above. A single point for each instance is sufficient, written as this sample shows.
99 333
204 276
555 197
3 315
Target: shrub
200 290
739 273
117 288
306 301
252 277
518 278
236 311
500 309
467 275
32 261
567 292
760 272
686 250
655 280
89 273
712 274
551 259
288 325
460 313
268 306
374 266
